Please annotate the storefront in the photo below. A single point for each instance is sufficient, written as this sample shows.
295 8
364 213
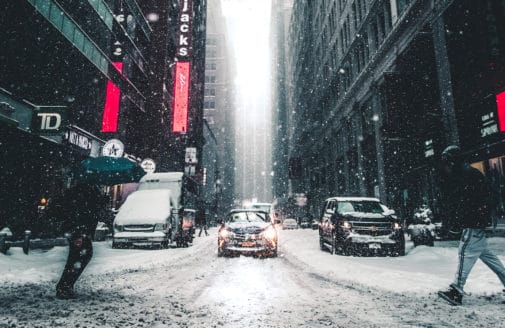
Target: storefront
36 168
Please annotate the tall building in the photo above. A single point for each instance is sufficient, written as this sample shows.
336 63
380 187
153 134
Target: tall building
281 113
379 88
77 75
219 109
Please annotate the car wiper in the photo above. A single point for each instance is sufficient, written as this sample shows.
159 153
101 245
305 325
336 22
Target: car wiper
261 218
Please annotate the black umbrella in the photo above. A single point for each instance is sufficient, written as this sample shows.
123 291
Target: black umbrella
110 171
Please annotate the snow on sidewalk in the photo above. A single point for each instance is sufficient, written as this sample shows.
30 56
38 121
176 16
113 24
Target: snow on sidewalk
45 266
423 270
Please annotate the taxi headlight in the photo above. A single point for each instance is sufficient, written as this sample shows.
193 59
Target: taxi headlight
225 233
269 233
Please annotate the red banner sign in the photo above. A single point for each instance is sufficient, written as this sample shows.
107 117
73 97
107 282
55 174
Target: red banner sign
181 94
111 108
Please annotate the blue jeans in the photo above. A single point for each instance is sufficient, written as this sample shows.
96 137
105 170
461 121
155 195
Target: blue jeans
472 246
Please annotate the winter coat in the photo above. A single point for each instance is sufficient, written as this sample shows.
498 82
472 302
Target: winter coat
82 207
201 219
467 198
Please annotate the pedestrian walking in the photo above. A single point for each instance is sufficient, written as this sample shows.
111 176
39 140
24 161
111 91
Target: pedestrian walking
202 221
80 207
469 200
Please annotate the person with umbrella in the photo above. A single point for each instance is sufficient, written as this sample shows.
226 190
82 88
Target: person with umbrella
80 207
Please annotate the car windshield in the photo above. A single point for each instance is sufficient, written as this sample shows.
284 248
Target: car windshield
240 217
189 215
359 206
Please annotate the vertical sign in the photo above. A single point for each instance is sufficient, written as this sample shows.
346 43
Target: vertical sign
113 93
182 69
181 98
111 107
500 105
184 39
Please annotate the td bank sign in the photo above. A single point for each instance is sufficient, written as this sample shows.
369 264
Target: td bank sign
50 120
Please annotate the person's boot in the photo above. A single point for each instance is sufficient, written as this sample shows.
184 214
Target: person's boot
64 293
451 295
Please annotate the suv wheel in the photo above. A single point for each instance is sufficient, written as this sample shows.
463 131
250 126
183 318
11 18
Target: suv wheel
400 248
274 252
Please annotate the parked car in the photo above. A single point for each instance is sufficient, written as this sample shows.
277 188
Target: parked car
145 218
305 222
247 231
360 226
289 224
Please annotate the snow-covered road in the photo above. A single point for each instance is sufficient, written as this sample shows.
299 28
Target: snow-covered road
192 287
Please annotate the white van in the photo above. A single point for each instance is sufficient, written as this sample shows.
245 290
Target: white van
184 192
145 218
172 181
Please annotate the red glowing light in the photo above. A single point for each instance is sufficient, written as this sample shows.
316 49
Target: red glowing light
500 105
181 95
111 108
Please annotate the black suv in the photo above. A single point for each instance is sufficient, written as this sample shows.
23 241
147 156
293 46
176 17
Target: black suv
360 226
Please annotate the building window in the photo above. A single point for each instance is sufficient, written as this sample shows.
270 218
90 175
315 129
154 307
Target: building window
210 79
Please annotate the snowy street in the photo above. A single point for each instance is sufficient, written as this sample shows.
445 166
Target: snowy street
192 287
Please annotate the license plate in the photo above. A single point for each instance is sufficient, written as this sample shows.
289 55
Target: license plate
374 246
247 244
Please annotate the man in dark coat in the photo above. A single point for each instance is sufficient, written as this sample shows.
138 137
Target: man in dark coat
202 221
469 200
81 206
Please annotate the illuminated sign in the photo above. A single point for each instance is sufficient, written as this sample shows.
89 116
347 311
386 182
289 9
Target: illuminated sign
113 93
49 120
182 69
148 165
113 148
111 108
181 94
500 105
184 40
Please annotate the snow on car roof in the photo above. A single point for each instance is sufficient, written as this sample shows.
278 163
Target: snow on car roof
151 206
162 176
354 199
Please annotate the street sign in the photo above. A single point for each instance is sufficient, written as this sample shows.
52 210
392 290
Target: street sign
190 157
